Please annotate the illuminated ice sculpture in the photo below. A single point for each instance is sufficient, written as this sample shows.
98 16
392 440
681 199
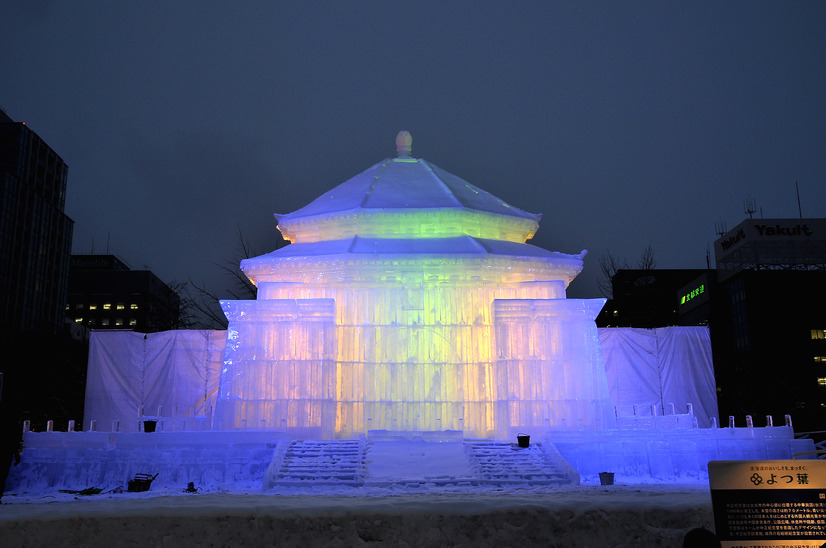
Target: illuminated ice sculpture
409 301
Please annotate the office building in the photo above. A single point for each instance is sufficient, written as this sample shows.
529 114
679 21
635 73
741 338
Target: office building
35 233
104 293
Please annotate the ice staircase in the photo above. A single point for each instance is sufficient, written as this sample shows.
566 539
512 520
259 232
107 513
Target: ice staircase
314 462
502 463
357 463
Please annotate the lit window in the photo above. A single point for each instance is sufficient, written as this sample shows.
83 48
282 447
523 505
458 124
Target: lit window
821 381
107 306
133 322
104 321
119 321
819 333
79 320
93 307
820 359
133 306
120 306
67 306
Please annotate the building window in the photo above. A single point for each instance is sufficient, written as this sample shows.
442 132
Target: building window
818 333
820 359
119 321
78 320
79 306
93 307
120 306
133 306
133 322
67 306
104 321
92 321
821 381
107 306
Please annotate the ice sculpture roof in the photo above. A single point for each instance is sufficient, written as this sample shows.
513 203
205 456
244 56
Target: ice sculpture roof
409 207
406 183
402 187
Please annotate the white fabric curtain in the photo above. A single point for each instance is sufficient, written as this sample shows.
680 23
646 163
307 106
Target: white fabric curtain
131 375
659 367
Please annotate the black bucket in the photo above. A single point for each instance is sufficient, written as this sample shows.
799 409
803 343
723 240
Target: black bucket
606 478
523 440
149 426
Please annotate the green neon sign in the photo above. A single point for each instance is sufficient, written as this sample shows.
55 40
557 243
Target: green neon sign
693 294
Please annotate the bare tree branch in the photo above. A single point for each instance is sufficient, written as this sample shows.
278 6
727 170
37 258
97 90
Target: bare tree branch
609 265
206 302
647 261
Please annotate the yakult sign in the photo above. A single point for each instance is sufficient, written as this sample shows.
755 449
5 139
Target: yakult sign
754 237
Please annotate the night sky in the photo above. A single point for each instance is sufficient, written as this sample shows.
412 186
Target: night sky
624 123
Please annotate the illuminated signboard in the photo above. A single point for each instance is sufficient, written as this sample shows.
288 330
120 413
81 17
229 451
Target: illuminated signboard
693 294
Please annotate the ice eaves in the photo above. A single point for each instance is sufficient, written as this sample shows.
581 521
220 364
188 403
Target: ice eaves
460 245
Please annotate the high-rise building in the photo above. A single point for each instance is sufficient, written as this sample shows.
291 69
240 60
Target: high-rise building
35 233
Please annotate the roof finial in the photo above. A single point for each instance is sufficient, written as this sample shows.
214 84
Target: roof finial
404 144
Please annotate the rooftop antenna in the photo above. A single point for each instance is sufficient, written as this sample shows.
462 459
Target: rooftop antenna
720 228
799 209
749 207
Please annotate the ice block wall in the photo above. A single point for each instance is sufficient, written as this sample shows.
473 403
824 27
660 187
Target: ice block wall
279 367
441 353
549 366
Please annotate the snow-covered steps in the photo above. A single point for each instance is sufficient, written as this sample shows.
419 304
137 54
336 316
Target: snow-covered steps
503 463
313 462
406 462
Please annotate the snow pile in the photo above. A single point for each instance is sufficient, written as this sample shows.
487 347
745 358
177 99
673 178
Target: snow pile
619 515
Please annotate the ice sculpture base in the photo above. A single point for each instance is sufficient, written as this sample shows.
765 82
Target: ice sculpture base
239 461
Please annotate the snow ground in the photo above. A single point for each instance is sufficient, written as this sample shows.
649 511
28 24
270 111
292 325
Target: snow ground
412 515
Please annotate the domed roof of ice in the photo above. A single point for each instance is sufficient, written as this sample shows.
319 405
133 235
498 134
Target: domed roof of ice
407 197
406 209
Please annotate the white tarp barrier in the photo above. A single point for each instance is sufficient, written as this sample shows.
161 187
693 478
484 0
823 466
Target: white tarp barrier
659 367
131 375
170 375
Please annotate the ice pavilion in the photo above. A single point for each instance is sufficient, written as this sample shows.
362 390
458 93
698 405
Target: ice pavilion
409 301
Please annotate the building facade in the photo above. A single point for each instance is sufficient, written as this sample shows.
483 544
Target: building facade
35 233
104 293
646 298
768 318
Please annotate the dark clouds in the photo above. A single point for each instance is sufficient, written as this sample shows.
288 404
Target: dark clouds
624 124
